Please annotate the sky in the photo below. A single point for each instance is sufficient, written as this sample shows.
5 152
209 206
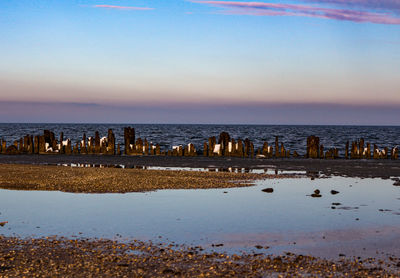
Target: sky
189 61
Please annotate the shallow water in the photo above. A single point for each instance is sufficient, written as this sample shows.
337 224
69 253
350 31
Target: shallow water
364 219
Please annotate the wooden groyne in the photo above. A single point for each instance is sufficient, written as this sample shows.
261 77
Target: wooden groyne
225 146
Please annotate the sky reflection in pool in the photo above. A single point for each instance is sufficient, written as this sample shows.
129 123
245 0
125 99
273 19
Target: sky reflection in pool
239 218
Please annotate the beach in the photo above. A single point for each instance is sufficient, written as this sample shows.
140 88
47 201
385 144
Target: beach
78 252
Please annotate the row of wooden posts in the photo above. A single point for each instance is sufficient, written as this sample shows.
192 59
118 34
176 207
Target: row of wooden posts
224 146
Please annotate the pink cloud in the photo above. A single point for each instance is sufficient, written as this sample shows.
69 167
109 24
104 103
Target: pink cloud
276 9
389 5
123 7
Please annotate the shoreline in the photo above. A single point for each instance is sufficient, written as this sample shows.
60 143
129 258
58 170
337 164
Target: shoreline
55 256
339 167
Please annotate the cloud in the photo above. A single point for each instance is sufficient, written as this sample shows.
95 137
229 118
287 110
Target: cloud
123 7
204 113
277 9
388 5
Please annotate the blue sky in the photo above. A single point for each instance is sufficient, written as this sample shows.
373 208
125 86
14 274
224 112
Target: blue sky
127 54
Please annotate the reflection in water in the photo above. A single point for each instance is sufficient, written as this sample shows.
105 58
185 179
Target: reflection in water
270 170
364 215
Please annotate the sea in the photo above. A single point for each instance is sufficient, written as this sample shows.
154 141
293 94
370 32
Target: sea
294 137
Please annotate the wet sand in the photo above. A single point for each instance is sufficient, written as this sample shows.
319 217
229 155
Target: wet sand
60 257
341 167
116 180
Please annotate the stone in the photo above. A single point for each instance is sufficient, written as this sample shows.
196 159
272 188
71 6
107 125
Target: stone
334 192
12 150
268 190
315 195
118 149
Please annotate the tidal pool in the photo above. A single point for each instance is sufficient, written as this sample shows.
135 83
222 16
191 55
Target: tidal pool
363 219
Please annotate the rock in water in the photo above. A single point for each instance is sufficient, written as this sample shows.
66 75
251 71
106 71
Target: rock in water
268 190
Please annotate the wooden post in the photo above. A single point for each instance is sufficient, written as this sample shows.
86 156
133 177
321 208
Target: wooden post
277 154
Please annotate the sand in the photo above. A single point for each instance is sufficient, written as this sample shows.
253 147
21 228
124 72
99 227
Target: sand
116 180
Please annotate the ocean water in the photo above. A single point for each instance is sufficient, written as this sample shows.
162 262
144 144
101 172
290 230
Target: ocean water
294 137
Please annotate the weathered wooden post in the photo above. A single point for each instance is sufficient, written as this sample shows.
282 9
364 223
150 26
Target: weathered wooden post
277 154
361 148
83 144
265 149
97 146
68 149
211 143
129 139
368 152
118 149
395 153
75 149
42 144
223 140
205 149
138 147
386 153
110 142
240 148
321 151
376 153
312 147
